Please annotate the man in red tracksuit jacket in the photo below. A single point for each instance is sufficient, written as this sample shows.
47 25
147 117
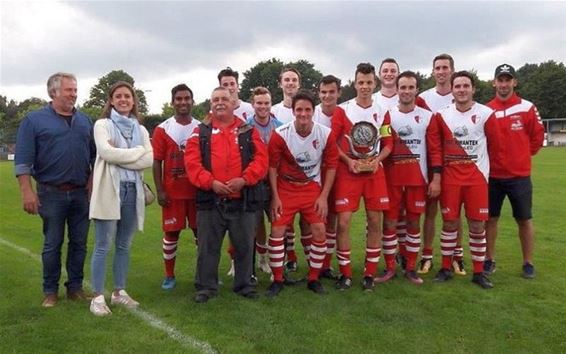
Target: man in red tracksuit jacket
520 126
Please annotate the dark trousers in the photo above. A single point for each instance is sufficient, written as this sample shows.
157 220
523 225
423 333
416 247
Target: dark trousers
59 209
212 226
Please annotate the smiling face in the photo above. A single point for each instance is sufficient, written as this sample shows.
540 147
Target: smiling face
289 83
504 86
65 96
303 112
262 105
364 85
463 91
122 100
388 74
407 90
231 84
182 103
328 94
441 71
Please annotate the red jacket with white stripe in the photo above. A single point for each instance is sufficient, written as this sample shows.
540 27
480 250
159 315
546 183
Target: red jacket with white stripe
522 135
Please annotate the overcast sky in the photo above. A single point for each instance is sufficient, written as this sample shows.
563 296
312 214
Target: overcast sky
162 43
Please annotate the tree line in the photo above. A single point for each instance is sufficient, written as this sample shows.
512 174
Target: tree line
544 84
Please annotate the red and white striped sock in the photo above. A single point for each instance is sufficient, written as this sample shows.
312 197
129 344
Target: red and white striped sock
316 258
412 249
290 246
276 249
306 241
169 244
389 244
259 248
401 234
330 248
447 245
372 259
344 265
478 248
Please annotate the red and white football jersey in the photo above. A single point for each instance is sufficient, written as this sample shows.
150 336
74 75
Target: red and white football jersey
321 118
244 111
355 113
467 138
407 163
300 158
168 141
436 101
385 102
282 113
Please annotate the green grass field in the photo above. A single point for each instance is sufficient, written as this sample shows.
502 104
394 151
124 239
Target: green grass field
516 316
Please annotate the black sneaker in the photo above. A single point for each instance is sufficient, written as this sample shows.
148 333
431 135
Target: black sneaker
489 266
316 287
368 284
443 275
328 274
413 277
291 266
253 280
528 271
274 289
344 283
482 280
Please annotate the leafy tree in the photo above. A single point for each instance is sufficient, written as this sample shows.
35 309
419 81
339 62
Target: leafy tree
266 73
167 110
201 110
99 92
151 121
544 85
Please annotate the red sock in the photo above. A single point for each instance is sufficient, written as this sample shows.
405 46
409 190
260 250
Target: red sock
306 241
276 257
344 265
169 244
401 234
316 257
447 245
477 248
290 246
372 259
330 247
389 243
412 249
259 248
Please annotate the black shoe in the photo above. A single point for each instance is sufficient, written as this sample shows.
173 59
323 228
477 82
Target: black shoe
201 298
344 283
528 271
368 284
253 280
489 266
443 275
291 266
482 280
252 295
316 287
274 289
328 274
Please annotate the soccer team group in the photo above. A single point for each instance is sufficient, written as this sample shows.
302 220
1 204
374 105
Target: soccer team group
405 152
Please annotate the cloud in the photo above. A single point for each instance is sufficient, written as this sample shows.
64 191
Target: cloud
163 43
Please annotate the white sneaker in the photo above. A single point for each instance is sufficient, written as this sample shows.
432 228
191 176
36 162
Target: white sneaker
264 264
98 306
124 299
232 270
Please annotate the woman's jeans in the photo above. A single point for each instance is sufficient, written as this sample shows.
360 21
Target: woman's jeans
122 231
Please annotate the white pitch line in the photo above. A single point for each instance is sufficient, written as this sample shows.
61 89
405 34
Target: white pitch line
147 317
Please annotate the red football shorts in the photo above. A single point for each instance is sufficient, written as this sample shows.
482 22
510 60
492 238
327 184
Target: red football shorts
474 198
297 199
410 198
349 191
177 213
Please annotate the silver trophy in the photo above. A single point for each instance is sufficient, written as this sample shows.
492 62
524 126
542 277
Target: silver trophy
364 136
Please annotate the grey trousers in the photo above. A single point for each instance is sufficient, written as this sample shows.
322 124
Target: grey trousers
212 226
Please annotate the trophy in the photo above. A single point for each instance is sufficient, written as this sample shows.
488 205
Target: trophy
364 136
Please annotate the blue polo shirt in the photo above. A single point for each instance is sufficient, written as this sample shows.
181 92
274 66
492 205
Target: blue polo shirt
52 151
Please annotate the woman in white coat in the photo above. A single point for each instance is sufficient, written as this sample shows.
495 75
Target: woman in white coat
123 151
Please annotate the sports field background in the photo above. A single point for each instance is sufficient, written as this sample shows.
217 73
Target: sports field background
516 316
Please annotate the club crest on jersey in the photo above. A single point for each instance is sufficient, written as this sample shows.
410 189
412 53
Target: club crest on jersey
474 119
405 131
315 144
417 119
303 157
461 131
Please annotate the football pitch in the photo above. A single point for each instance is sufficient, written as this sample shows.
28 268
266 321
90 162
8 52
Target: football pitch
516 316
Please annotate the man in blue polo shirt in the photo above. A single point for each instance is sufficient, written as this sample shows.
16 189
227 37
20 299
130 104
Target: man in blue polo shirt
55 146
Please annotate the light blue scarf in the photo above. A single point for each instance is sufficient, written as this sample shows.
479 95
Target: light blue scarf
128 128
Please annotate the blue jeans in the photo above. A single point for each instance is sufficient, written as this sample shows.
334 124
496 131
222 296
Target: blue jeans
122 232
57 209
